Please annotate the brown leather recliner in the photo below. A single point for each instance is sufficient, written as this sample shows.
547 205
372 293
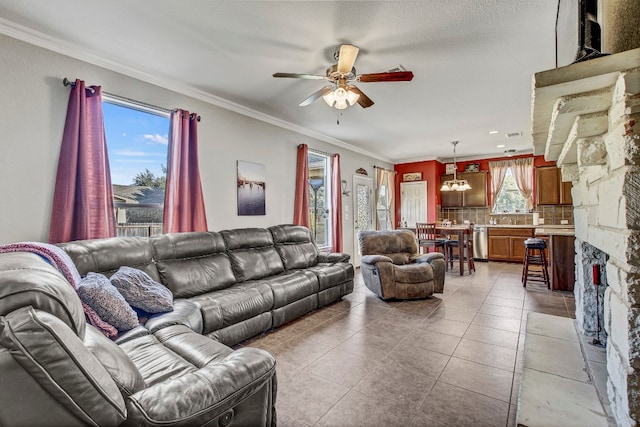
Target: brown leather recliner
392 268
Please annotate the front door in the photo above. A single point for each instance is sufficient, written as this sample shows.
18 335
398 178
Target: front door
362 210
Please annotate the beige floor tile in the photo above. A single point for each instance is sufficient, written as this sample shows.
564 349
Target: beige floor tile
487 354
364 361
504 302
307 397
453 406
367 344
554 356
554 327
483 379
497 322
342 367
419 360
356 410
457 315
433 341
393 382
498 310
562 408
444 326
492 336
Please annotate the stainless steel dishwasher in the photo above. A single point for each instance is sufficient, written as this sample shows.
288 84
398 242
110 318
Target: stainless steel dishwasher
481 243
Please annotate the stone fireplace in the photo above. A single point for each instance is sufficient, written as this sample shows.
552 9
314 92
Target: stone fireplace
586 116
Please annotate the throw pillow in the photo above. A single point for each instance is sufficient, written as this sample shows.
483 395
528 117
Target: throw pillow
141 291
97 292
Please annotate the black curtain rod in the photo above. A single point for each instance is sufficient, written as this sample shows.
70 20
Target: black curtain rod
384 169
192 116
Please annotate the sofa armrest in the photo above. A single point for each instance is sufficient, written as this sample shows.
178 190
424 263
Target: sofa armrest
372 259
428 257
333 257
207 393
184 313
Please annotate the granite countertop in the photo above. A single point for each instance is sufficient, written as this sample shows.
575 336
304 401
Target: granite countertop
547 231
550 226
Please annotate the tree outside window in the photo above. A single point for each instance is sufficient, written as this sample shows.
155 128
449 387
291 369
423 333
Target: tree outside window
509 199
137 143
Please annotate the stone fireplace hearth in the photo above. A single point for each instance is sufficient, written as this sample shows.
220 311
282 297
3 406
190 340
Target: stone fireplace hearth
586 116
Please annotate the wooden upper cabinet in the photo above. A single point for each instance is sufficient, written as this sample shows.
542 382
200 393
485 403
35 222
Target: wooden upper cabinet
550 190
449 199
547 186
477 196
565 193
474 198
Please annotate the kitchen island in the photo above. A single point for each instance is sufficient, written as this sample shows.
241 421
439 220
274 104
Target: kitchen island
562 253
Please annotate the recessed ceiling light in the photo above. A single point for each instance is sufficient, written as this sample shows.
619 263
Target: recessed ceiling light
493 132
500 146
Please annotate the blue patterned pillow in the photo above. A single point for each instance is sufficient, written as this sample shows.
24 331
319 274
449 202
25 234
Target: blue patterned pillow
141 291
97 292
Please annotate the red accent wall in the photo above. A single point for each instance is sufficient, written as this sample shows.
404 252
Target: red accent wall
432 169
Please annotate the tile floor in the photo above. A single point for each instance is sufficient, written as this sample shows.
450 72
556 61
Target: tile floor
451 360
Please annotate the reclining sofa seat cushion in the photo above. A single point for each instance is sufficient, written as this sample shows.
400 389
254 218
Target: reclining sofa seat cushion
298 251
57 361
212 380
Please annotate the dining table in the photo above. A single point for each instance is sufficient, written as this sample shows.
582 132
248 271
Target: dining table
461 231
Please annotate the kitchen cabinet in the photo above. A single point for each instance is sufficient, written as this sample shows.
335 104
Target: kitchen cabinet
474 198
550 190
507 244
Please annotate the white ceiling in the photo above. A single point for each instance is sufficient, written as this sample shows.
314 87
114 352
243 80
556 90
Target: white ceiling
473 61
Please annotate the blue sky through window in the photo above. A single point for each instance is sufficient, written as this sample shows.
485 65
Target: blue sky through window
136 141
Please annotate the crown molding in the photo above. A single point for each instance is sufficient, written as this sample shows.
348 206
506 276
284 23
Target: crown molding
499 155
36 38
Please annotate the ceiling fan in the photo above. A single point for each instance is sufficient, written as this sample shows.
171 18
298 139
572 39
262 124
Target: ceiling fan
341 93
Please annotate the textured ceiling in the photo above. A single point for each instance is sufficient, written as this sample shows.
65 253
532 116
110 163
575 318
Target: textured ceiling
473 61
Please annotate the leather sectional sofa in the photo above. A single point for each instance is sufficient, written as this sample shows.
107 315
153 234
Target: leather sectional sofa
175 368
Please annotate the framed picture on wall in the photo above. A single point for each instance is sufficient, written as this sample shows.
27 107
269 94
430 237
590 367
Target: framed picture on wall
251 188
412 176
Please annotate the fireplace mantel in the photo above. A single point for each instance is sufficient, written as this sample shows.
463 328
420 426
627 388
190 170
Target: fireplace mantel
571 102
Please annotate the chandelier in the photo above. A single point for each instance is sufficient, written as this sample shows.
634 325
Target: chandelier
455 184
342 97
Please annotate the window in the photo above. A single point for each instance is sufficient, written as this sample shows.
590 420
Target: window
319 198
137 142
510 199
384 215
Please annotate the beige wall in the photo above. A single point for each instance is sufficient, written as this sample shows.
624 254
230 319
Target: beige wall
32 114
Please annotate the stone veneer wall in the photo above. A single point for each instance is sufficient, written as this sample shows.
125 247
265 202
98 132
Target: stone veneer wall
606 195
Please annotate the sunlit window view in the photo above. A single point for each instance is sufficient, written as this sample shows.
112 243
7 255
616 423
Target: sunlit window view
137 143
318 197
510 199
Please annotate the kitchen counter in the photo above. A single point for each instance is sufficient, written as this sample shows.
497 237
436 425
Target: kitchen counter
548 231
546 227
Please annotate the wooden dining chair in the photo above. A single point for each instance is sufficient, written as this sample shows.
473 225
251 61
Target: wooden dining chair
428 238
465 251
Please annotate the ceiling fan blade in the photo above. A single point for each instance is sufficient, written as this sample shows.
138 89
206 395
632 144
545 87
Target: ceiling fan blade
300 76
347 57
398 76
363 99
316 95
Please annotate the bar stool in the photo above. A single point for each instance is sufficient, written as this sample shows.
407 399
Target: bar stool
532 259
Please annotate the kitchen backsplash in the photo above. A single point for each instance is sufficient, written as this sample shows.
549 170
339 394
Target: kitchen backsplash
552 215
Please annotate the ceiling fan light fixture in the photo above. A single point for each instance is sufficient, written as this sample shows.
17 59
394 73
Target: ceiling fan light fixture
352 97
329 98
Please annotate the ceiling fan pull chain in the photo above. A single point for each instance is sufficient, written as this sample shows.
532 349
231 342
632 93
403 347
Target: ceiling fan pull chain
338 118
